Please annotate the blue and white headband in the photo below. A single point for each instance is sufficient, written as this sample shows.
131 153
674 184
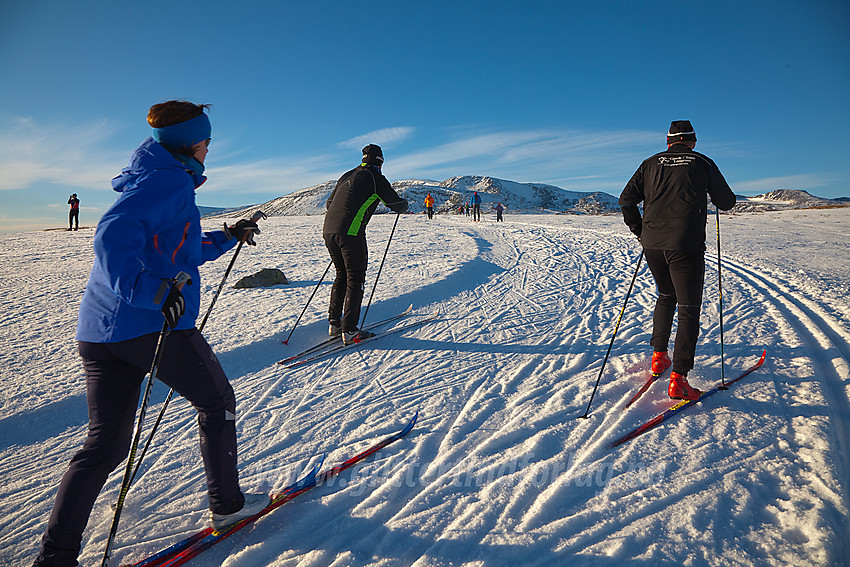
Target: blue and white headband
185 134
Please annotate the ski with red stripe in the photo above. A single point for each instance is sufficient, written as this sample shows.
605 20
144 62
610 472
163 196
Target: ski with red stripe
644 388
210 537
160 558
670 412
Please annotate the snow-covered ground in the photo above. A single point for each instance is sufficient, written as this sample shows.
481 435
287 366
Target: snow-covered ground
499 470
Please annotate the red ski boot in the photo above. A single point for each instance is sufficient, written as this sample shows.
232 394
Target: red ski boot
680 389
660 362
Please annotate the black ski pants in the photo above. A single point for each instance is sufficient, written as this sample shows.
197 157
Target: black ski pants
74 218
114 375
350 257
680 277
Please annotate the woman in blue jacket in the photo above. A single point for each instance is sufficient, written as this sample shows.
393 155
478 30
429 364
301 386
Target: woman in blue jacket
147 237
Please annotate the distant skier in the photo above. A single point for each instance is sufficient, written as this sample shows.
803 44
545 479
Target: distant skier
476 206
429 205
466 208
74 213
499 210
350 206
673 186
147 237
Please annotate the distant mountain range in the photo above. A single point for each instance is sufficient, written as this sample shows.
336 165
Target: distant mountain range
451 194
448 195
782 199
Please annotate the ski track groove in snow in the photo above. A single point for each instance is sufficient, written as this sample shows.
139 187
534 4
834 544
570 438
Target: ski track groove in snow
499 470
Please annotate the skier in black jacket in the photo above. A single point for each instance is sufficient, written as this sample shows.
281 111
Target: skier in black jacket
350 206
674 187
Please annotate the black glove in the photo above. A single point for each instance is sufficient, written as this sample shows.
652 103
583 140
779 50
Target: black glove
173 307
399 206
244 230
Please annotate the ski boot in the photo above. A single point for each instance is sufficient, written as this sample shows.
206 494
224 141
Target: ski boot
355 336
660 362
679 388
254 504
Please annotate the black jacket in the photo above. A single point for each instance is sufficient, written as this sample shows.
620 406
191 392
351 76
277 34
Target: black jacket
674 186
355 198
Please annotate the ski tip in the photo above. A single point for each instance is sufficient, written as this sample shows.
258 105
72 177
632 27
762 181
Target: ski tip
410 424
763 356
317 467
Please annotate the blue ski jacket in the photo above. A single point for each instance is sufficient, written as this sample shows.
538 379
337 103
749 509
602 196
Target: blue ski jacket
150 234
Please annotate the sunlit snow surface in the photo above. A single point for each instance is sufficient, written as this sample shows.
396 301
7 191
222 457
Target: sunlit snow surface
499 470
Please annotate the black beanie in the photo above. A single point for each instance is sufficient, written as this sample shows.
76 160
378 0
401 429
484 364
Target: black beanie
681 131
372 155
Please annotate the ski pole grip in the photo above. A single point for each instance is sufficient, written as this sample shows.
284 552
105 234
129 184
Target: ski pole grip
182 279
258 216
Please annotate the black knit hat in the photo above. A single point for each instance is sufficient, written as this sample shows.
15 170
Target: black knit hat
681 131
372 155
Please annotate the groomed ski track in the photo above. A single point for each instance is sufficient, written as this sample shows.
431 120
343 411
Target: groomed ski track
499 469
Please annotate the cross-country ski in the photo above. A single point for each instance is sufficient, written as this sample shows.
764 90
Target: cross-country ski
340 348
190 547
673 410
333 340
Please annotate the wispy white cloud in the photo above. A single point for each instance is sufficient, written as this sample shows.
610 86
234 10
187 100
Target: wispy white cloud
71 155
86 156
380 137
807 181
274 176
547 155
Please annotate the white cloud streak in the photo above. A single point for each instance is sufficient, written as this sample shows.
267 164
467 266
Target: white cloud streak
85 156
75 156
807 181
380 137
534 155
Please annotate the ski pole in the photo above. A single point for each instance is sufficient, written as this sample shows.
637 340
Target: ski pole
321 279
720 298
254 218
181 279
381 267
616 328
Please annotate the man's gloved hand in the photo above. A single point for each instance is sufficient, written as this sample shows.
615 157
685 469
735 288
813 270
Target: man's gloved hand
244 230
173 307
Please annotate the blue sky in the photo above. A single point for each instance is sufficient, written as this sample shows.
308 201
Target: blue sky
575 94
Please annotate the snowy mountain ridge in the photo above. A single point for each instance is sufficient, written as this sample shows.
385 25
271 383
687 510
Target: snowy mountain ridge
782 199
449 195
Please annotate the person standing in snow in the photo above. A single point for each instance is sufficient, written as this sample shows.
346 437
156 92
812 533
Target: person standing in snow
350 207
476 206
673 186
499 210
74 213
145 239
429 205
